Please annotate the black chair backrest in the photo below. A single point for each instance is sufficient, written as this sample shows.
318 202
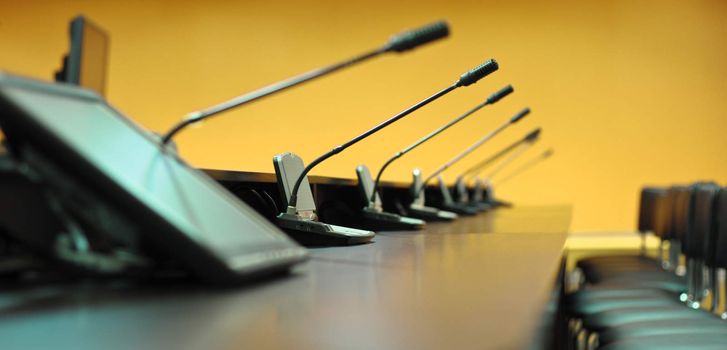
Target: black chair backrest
680 210
720 230
647 208
663 214
699 242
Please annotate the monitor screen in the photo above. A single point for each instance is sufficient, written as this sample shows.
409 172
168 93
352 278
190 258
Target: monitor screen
87 59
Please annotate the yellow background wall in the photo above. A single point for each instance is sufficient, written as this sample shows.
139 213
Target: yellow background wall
628 92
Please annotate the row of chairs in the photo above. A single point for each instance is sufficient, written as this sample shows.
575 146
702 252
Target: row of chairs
672 301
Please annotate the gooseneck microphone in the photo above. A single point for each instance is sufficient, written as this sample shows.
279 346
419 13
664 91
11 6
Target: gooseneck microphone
460 185
398 43
507 161
471 148
490 100
468 78
543 156
484 191
528 139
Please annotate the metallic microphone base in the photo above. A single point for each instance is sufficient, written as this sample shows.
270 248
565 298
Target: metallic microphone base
315 233
430 214
383 221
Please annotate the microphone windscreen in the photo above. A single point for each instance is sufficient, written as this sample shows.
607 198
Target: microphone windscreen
413 38
477 73
520 115
497 96
533 136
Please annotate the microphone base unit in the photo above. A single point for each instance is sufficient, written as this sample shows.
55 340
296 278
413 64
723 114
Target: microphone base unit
481 206
448 202
491 204
460 209
472 204
316 233
461 191
485 194
383 221
481 196
430 214
496 203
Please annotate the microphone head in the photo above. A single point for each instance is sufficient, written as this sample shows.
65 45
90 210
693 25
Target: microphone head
410 39
533 135
477 73
520 115
497 96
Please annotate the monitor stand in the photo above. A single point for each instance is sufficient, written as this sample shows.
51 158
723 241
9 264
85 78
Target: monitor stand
37 211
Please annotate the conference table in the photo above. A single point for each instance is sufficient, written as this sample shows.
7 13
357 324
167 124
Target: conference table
481 282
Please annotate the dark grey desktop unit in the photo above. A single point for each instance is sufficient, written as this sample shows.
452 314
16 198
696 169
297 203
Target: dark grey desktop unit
112 173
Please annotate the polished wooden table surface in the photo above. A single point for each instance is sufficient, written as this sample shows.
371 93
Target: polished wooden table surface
477 283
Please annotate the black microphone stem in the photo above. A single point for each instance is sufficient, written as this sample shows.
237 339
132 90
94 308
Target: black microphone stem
477 168
294 193
507 160
526 166
481 165
401 42
195 117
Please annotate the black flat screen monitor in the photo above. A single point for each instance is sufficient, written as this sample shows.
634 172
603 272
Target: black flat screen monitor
87 59
177 208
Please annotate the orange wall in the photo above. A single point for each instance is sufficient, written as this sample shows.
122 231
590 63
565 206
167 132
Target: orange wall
628 92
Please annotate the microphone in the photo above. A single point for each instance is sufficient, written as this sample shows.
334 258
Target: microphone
474 170
474 146
374 216
398 43
490 100
487 194
541 157
291 221
373 213
468 78
461 183
418 209
507 161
